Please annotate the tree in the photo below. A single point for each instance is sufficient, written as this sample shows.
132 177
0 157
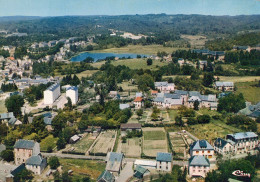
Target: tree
61 143
54 162
154 116
38 124
24 175
25 119
7 155
208 79
196 105
149 61
179 121
203 119
139 112
69 104
14 104
145 82
231 103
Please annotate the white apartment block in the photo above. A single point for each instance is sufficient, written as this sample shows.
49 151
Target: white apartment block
51 94
72 93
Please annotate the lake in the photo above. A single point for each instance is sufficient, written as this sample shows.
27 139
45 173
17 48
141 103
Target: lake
98 56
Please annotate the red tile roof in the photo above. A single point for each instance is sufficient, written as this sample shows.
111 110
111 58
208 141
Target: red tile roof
138 99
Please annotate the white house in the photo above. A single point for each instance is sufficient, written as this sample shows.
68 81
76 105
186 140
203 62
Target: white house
164 86
199 166
164 161
73 94
244 141
138 102
224 147
36 164
224 86
203 148
51 93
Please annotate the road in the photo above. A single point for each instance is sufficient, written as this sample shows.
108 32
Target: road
126 173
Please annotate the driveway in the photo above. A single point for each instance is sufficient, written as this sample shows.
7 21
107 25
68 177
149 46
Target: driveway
126 173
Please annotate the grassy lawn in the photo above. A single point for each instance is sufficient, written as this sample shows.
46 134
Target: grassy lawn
86 73
82 168
128 86
249 90
206 111
2 106
139 49
154 135
172 114
238 78
48 141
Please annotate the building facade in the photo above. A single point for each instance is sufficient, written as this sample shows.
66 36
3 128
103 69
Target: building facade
51 94
73 94
164 161
199 166
164 86
36 164
203 148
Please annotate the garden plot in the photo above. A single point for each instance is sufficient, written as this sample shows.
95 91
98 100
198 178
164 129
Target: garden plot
154 140
132 147
104 143
83 145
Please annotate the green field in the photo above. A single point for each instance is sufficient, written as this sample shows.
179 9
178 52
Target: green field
82 168
172 114
48 141
236 79
2 106
154 135
250 91
139 49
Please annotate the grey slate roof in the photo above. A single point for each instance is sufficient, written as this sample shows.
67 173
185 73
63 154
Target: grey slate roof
164 157
181 92
158 99
53 87
255 114
225 84
2 147
201 145
35 160
12 121
7 115
73 88
114 161
18 169
243 135
160 84
106 176
198 160
220 143
124 106
24 144
47 120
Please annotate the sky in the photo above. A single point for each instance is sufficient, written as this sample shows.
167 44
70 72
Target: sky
127 7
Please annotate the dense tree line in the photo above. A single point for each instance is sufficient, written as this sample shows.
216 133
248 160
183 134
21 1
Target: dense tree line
69 80
245 58
4 53
11 87
35 92
231 103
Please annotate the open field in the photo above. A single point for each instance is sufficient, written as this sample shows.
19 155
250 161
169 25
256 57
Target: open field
82 168
2 106
154 140
172 115
139 49
127 86
86 73
49 141
134 63
197 41
132 147
212 130
83 145
104 142
236 79
249 90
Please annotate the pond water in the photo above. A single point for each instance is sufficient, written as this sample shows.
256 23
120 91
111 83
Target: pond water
100 56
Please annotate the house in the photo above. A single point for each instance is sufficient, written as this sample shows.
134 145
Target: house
223 147
13 173
138 94
140 172
250 110
164 161
224 86
14 122
154 92
167 100
72 93
114 162
48 123
106 176
112 94
199 166
74 139
203 148
36 164
124 106
244 48
51 94
203 64
138 102
244 141
149 164
164 87
24 149
181 61
129 127
207 101
95 130
6 116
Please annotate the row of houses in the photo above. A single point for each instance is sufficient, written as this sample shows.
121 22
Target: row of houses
52 43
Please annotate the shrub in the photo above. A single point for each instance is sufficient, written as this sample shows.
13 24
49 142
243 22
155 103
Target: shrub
54 162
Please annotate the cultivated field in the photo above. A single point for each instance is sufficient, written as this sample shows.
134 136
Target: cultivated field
154 140
132 147
83 145
104 142
212 130
82 168
250 91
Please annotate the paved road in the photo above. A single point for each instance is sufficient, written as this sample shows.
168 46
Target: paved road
126 173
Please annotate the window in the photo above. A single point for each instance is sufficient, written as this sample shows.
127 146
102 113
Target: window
203 151
197 152
208 151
